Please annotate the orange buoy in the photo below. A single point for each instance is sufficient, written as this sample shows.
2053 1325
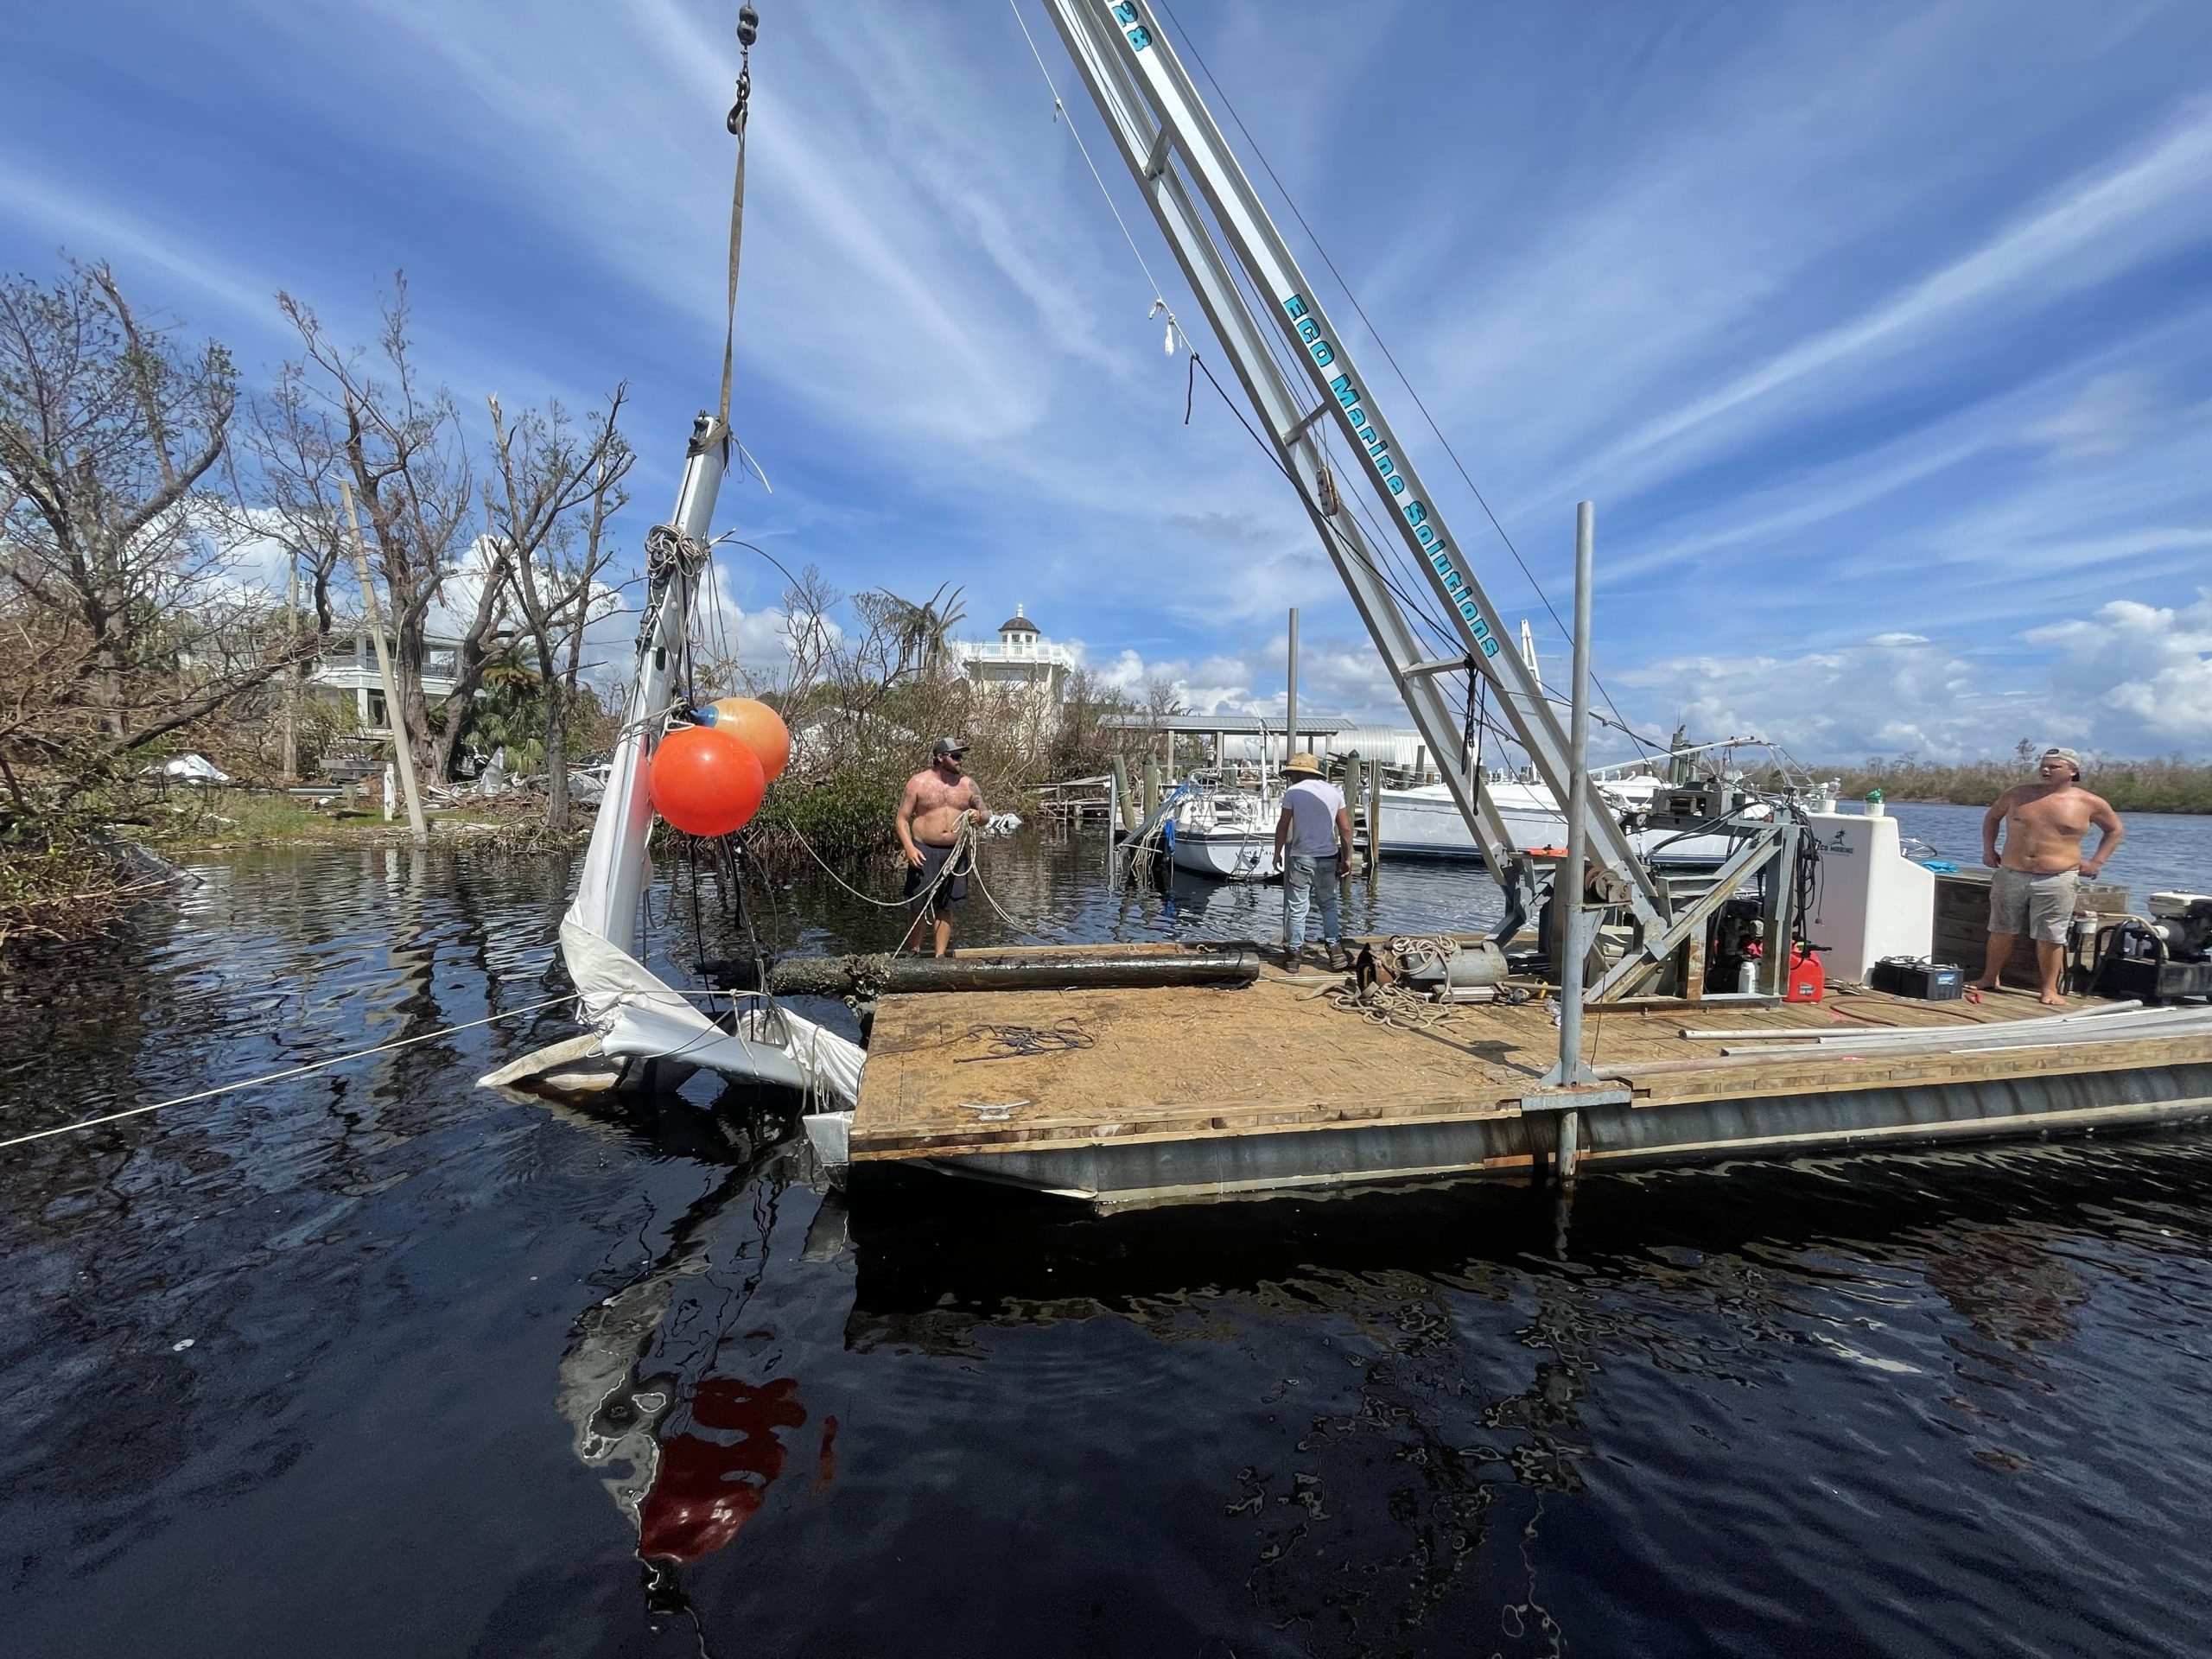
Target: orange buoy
705 782
757 725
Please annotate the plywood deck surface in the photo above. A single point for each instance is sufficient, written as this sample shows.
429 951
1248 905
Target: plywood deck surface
1181 1062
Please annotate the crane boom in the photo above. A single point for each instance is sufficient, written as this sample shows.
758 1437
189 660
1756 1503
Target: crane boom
1169 140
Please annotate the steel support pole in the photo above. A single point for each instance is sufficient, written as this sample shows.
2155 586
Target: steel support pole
1568 895
1290 695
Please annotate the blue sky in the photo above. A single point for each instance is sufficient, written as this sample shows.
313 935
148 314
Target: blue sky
1881 335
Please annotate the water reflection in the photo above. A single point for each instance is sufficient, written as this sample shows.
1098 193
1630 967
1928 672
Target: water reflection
1426 1365
689 1444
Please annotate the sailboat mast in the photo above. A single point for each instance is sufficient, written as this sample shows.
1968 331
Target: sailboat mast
614 866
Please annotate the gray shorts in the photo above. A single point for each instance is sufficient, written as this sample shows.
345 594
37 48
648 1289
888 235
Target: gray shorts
2042 906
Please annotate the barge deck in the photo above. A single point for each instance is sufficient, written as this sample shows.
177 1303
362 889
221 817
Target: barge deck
1145 1096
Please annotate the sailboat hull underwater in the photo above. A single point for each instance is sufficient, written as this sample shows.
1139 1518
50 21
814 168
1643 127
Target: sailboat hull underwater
639 1025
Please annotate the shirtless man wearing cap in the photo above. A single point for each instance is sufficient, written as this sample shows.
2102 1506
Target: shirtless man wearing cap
928 826
2033 890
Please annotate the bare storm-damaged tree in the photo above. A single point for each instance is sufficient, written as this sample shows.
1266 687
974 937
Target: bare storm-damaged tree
548 512
400 443
122 620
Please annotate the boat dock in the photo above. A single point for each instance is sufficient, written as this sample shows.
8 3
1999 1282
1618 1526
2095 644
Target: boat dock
1124 1096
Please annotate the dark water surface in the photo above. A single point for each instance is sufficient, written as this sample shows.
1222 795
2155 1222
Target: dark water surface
373 1362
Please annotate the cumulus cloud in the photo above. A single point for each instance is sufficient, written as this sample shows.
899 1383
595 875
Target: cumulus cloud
2132 678
2144 672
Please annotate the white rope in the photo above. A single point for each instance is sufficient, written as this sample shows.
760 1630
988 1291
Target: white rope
1060 113
963 845
276 1077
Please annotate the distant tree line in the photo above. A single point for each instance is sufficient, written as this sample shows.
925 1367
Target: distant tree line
2171 785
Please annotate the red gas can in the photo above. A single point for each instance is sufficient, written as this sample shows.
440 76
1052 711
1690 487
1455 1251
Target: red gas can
1809 981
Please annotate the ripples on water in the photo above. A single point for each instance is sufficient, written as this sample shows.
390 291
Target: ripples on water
372 1361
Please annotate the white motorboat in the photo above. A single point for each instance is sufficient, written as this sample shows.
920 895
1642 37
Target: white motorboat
1424 822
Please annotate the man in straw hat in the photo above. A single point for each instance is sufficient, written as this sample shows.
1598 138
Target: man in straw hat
1315 831
2032 891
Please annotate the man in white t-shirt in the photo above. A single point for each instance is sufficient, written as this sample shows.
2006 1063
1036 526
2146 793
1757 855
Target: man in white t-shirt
1316 832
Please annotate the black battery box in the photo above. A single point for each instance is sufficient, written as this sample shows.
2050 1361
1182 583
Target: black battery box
1931 981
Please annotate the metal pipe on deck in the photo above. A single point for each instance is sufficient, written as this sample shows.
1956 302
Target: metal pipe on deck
1076 968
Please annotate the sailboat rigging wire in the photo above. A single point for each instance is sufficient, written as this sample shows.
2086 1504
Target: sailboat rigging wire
1291 202
1352 549
288 1071
1060 114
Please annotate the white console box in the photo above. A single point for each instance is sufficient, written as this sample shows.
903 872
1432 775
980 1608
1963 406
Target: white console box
1872 900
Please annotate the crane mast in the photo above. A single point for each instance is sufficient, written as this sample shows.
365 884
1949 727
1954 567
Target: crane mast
1179 158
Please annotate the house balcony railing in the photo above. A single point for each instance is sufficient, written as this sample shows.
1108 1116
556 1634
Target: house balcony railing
1048 655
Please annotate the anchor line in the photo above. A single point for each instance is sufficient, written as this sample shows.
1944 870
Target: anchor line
288 1071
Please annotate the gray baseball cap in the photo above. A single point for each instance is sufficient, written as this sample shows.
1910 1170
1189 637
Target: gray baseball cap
948 746
2071 757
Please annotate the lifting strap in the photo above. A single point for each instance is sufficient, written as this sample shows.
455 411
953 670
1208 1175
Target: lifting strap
747 24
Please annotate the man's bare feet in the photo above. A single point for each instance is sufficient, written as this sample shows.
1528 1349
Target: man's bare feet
2051 999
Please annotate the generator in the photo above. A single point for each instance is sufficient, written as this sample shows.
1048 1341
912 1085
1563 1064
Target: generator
2160 957
1735 943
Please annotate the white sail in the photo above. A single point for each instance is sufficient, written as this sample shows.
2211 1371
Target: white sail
636 1014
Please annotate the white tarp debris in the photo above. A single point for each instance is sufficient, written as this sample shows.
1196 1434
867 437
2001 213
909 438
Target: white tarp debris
192 769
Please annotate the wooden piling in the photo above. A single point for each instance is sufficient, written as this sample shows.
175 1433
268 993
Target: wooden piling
1125 797
1373 816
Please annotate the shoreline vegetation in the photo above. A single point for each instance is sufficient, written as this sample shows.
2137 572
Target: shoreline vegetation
2171 785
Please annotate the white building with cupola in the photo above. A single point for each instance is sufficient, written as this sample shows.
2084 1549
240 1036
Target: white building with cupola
1023 668
1023 659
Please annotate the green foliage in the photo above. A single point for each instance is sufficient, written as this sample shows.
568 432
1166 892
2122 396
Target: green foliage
845 817
510 715
61 880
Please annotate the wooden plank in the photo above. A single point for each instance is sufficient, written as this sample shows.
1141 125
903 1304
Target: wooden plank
1167 1061
1747 1076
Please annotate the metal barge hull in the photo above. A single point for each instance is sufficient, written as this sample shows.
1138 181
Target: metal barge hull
1189 1093
1119 1175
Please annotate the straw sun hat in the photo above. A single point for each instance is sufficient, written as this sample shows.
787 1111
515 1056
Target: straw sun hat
1301 764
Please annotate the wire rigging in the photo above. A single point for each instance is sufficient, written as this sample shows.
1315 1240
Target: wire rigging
288 1071
1061 116
1291 202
